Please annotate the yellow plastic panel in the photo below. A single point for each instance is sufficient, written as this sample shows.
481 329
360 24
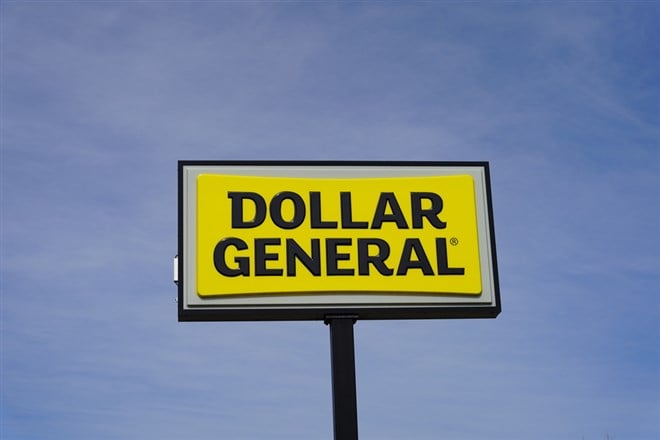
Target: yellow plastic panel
270 235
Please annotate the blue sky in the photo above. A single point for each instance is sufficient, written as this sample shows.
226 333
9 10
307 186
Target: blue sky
100 100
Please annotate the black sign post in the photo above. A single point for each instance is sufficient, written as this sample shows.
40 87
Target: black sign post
344 395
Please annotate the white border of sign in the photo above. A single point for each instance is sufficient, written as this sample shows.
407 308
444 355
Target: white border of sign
319 306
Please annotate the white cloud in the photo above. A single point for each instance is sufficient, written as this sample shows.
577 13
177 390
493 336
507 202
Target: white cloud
99 101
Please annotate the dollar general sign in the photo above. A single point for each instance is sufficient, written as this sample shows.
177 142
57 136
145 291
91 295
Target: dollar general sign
301 240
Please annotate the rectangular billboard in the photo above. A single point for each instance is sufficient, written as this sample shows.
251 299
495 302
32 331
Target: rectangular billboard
290 240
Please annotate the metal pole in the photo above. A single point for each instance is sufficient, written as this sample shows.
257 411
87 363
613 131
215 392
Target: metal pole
344 396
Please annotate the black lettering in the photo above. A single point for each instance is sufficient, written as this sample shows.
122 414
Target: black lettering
237 220
385 199
311 262
333 257
431 213
221 264
378 260
298 210
406 262
443 263
347 213
315 213
261 256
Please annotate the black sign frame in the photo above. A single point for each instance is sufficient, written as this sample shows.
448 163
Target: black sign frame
304 312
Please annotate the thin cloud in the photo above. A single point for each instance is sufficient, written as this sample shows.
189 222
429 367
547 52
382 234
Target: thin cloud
100 101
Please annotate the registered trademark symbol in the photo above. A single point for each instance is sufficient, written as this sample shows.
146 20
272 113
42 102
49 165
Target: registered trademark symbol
453 241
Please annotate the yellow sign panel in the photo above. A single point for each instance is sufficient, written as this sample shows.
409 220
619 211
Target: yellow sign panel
271 235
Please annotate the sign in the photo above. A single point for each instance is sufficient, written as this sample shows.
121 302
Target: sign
305 240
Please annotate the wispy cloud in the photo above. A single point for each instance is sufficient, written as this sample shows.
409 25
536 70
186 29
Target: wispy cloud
100 100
